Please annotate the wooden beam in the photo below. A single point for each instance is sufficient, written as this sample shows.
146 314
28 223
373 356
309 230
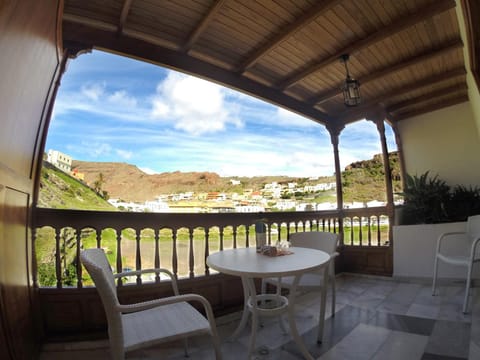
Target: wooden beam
143 50
431 54
310 15
454 101
471 15
427 97
204 23
401 24
127 4
435 79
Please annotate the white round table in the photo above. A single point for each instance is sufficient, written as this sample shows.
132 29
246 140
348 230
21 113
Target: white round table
248 264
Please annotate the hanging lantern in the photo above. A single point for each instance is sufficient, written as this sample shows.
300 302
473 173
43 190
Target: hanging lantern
351 87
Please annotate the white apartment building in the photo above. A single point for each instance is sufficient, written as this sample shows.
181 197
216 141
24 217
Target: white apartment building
60 160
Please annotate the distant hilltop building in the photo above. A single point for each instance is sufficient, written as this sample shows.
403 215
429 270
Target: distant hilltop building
60 160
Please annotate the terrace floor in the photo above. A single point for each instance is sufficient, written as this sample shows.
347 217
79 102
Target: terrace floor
376 318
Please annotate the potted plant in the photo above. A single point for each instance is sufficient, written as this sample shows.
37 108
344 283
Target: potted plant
425 199
431 207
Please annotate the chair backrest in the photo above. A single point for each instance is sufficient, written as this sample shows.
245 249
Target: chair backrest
96 263
320 240
473 227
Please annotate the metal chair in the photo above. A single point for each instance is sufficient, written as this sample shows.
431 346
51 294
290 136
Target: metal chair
319 240
472 239
151 322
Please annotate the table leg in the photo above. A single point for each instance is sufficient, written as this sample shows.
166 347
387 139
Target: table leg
291 319
246 312
323 304
250 284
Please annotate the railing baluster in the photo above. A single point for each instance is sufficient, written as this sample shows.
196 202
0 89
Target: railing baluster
138 254
207 252
98 237
156 235
174 252
79 265
220 230
58 259
191 258
369 224
379 235
234 231
119 254
360 232
352 239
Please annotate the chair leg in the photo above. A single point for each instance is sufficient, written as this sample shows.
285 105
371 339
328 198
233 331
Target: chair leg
467 287
333 295
435 271
216 346
185 347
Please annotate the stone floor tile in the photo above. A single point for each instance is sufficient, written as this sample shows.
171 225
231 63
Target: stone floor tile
424 311
365 339
400 346
449 338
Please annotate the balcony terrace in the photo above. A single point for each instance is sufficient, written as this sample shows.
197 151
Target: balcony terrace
376 318
418 65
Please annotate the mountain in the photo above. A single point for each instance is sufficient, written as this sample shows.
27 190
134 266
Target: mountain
362 181
129 183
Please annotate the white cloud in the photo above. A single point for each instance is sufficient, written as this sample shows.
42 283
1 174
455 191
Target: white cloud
148 171
96 149
93 91
123 99
286 117
193 105
96 99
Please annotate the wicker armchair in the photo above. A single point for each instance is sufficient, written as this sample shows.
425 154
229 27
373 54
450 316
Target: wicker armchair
147 323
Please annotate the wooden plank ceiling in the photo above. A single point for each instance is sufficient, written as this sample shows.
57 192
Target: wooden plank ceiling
407 54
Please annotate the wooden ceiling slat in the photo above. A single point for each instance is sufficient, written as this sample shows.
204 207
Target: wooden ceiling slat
426 97
127 4
397 26
404 89
204 23
305 19
453 101
444 50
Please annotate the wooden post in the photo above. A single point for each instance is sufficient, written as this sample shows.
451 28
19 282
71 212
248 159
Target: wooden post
334 136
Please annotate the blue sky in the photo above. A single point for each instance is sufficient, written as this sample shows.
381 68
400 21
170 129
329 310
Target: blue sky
112 108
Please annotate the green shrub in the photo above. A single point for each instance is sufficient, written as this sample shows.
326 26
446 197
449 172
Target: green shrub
429 200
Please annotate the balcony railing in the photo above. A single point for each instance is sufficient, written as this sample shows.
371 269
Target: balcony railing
179 242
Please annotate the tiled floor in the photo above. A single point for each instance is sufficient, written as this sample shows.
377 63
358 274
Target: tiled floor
376 318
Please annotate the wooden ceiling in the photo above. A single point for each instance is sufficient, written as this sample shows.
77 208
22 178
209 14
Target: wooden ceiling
407 54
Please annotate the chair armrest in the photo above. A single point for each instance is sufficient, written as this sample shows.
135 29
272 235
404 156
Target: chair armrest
149 271
145 271
445 236
129 308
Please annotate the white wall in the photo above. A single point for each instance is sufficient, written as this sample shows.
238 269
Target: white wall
414 249
446 142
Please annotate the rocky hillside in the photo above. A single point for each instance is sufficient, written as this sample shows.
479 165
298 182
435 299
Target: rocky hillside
364 180
129 183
